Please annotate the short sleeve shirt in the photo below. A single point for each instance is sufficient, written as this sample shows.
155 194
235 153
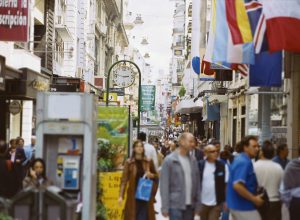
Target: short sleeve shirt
242 171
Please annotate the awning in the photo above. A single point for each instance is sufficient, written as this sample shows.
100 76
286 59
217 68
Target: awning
188 106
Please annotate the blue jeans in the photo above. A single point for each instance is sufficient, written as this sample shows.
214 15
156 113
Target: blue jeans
178 214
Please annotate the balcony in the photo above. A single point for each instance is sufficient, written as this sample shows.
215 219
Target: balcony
62 29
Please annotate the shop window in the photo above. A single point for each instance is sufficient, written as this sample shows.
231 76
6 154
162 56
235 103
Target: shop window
243 127
234 112
243 110
234 129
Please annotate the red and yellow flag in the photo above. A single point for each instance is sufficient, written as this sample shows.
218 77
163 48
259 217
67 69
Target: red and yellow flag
238 22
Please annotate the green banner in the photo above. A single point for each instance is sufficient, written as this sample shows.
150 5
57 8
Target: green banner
147 98
113 129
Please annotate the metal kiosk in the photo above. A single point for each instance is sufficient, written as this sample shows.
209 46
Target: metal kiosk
66 132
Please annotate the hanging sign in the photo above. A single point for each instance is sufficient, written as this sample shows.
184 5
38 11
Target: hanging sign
14 20
148 98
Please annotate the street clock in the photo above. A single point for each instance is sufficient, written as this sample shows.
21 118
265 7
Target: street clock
124 76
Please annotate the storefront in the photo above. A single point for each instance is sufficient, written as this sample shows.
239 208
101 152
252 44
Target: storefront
17 101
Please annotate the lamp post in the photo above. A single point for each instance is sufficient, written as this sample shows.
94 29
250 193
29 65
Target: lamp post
124 62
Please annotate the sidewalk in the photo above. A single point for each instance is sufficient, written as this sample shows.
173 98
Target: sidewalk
157 207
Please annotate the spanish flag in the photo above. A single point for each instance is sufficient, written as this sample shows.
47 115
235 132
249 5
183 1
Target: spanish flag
238 22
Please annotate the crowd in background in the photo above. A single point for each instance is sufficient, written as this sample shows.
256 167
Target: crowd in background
202 179
19 168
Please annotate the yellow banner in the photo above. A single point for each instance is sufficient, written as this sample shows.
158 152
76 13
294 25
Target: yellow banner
110 185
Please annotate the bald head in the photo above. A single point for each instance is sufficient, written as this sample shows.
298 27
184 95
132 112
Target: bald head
186 141
211 153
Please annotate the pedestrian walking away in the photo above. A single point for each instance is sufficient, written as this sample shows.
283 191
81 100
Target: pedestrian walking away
150 151
179 182
241 195
269 176
135 168
213 179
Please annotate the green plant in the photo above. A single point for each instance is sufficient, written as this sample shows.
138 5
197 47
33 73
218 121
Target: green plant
182 91
101 212
4 216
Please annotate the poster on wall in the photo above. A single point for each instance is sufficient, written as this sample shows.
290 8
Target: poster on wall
14 20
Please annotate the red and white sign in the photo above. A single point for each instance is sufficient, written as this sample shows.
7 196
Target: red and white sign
14 20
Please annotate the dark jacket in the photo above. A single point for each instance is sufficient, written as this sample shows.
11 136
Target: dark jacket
199 155
220 183
172 184
20 155
129 179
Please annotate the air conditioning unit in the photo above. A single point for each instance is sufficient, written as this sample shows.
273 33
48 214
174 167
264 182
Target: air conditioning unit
79 73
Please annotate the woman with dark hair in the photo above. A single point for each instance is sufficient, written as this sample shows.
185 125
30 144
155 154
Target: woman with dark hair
36 177
135 168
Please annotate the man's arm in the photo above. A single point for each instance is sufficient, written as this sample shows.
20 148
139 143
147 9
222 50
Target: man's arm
240 188
164 187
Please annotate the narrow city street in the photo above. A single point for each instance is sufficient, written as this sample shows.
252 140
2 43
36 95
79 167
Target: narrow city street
149 109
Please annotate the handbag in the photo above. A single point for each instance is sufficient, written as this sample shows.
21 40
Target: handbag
262 210
144 189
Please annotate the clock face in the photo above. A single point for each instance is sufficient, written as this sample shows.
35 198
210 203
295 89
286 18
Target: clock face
124 76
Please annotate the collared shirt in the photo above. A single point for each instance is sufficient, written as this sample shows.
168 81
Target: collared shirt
241 171
282 163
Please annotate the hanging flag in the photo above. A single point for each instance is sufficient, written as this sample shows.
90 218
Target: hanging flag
207 74
243 69
238 22
223 48
258 25
283 24
212 33
196 36
267 70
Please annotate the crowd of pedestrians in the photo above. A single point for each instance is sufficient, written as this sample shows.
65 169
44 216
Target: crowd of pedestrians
207 181
19 168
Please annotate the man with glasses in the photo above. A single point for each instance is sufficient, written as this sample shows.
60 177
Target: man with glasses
213 178
242 185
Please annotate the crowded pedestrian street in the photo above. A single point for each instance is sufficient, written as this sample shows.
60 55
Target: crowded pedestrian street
149 110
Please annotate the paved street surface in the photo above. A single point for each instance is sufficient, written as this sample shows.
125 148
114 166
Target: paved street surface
158 207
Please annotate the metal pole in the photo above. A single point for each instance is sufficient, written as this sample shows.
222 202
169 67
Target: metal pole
140 88
266 118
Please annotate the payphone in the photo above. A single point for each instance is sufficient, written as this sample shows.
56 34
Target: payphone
66 132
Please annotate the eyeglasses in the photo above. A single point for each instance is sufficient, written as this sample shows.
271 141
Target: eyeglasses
213 151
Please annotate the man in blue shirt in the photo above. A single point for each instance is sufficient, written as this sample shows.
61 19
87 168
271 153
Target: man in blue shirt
242 185
282 152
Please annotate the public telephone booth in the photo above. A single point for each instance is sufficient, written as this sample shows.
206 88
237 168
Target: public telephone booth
66 141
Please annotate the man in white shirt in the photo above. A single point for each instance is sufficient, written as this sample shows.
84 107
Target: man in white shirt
150 151
269 175
213 179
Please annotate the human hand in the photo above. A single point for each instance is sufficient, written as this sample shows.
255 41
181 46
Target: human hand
258 201
120 200
149 175
225 206
165 214
33 173
18 161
